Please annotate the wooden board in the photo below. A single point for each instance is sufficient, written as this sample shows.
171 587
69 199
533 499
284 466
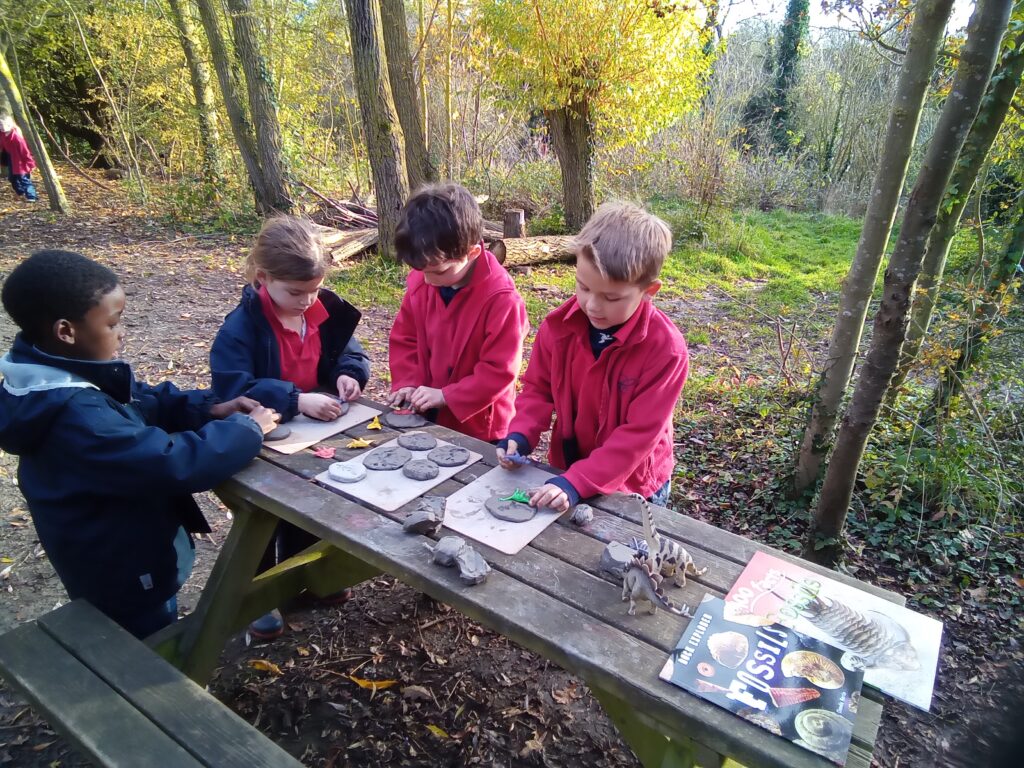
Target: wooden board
465 513
390 490
307 431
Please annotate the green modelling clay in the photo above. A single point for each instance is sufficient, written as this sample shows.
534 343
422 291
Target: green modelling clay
519 496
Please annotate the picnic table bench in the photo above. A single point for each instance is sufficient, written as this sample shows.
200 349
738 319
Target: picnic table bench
121 704
550 598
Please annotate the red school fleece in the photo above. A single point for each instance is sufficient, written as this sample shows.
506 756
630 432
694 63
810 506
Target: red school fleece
13 144
470 349
618 408
300 356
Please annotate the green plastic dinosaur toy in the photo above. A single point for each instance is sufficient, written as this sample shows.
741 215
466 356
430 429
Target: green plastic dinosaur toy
518 495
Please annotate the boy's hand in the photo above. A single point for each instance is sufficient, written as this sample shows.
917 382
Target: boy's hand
549 495
400 397
502 461
425 398
267 418
236 405
319 406
348 388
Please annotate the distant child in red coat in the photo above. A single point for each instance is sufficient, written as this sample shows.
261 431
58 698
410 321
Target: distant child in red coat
609 365
18 158
457 342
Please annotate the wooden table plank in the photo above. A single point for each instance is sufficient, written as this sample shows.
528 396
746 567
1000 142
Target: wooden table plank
204 727
91 715
613 660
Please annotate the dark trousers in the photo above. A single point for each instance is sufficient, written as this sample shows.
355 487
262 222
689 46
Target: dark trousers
22 184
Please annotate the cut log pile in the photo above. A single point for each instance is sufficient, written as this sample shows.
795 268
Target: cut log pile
348 228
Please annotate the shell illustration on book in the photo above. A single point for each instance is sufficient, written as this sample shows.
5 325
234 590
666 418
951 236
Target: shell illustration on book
823 732
813 667
878 639
729 648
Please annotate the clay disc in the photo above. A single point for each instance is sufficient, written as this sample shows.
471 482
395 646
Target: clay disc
346 472
384 459
417 441
448 455
512 511
420 469
403 420
278 433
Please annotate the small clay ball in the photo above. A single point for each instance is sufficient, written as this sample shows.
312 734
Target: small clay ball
417 441
420 469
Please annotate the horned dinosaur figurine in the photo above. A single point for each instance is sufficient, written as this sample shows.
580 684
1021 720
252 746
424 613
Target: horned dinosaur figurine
641 583
668 558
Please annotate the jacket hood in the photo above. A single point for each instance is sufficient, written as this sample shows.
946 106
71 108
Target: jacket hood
37 385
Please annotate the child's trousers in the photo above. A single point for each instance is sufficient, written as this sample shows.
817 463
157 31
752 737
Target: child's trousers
22 184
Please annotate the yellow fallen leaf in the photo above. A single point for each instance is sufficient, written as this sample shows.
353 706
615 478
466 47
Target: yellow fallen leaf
6 560
373 685
359 442
302 651
439 732
263 665
375 424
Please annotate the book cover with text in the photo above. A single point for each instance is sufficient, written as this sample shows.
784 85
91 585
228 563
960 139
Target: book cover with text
787 683
897 648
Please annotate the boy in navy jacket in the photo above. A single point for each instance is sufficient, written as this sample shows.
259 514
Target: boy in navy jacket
108 464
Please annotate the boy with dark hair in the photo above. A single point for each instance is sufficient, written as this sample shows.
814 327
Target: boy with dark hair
457 341
108 464
609 365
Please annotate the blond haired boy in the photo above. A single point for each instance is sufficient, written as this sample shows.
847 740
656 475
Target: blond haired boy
609 365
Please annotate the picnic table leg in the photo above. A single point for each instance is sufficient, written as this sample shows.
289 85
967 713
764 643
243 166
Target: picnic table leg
215 617
651 747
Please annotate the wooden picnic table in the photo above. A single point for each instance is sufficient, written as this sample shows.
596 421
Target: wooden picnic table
550 598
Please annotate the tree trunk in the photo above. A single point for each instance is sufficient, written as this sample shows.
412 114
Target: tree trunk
527 251
403 89
54 190
449 139
572 136
975 336
199 74
260 86
384 144
228 77
984 33
925 37
994 108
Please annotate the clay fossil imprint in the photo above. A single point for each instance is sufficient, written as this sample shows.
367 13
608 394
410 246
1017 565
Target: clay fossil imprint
403 419
417 441
387 458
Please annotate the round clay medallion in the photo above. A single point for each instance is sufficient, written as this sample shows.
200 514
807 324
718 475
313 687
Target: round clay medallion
448 455
346 471
278 433
403 420
417 441
420 469
511 511
387 458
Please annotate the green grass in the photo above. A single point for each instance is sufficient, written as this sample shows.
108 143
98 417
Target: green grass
776 259
370 282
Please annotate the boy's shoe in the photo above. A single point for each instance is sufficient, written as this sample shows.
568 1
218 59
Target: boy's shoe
268 627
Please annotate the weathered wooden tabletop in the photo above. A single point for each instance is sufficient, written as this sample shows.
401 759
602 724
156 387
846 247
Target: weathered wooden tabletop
552 598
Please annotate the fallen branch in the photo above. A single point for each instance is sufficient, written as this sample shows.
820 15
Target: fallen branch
72 163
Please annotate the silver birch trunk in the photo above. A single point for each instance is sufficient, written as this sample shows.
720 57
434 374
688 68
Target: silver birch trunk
925 37
994 107
984 33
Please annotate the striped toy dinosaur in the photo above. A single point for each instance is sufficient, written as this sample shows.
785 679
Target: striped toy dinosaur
668 558
641 583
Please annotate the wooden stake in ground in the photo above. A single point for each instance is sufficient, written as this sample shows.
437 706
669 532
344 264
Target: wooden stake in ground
984 34
51 181
930 18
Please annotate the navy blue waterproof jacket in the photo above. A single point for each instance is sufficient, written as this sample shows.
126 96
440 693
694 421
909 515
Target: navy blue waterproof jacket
108 466
246 360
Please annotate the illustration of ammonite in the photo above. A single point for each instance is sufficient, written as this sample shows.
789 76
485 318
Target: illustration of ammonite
823 731
815 668
760 718
729 648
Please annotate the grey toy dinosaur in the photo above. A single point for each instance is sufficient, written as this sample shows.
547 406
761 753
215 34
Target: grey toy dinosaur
641 582
669 558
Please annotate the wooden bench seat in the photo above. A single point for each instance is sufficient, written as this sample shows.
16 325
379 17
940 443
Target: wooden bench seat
119 703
